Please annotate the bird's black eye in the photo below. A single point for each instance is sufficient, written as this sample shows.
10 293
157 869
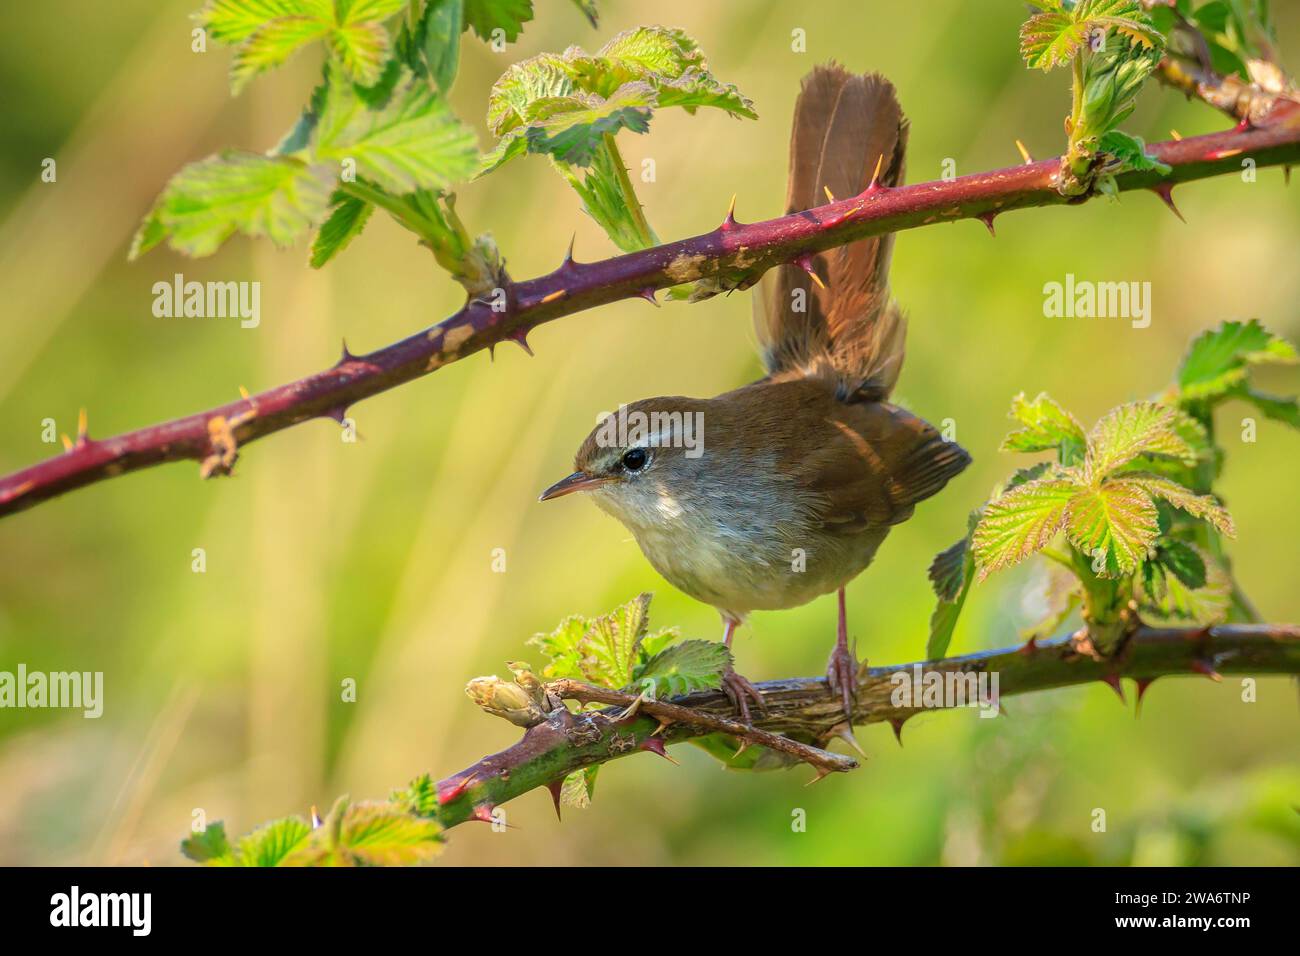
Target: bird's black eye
634 459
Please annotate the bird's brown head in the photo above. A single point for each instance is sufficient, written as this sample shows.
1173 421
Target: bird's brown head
635 457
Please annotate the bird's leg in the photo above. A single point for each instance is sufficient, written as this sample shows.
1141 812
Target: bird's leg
842 668
733 685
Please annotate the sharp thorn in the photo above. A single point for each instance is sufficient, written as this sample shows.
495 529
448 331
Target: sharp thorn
67 442
897 724
1244 125
744 745
805 263
483 812
1177 136
315 817
520 337
649 295
448 794
1166 193
987 219
568 255
339 414
556 787
492 352
83 428
844 731
1142 684
875 176
243 393
557 294
664 724
1024 153
1202 666
1113 682
830 196
347 355
822 774
656 746
730 219
1286 175
1030 646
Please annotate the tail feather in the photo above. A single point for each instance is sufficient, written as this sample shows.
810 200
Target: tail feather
850 331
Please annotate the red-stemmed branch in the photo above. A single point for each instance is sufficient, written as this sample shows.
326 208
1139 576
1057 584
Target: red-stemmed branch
730 256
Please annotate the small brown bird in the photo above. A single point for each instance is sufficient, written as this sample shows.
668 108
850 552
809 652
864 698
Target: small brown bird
778 492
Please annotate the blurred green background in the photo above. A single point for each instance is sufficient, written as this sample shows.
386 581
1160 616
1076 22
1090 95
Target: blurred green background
373 560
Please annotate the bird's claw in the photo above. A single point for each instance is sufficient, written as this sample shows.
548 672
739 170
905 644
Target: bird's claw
842 676
737 688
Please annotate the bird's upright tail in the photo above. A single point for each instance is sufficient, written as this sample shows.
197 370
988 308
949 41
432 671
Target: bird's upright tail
845 327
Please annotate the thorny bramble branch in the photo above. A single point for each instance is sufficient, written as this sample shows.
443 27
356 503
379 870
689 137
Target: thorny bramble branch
804 708
731 256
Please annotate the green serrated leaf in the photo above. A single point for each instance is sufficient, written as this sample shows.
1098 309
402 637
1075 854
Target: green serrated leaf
563 647
1050 39
414 142
209 846
1114 524
1021 521
951 573
208 201
578 788
1205 507
420 797
609 647
1285 410
508 16
270 844
1128 154
369 834
1165 595
268 32
1047 427
1138 428
345 223
683 669
1219 360
1182 560
572 130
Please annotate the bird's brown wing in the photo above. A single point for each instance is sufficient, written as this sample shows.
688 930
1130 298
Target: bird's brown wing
843 124
868 463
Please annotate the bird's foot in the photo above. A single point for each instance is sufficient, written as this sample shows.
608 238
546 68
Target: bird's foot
842 675
737 688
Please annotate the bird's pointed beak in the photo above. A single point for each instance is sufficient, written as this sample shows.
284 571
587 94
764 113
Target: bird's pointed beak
578 481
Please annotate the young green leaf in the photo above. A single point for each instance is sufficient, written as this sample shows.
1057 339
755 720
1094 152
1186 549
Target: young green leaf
420 797
210 200
268 845
1055 35
1219 359
345 222
683 668
508 16
563 646
578 788
1047 427
268 32
1205 507
1115 524
1021 522
1139 428
1128 153
438 35
413 142
572 131
209 846
951 573
1166 592
368 834
611 643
